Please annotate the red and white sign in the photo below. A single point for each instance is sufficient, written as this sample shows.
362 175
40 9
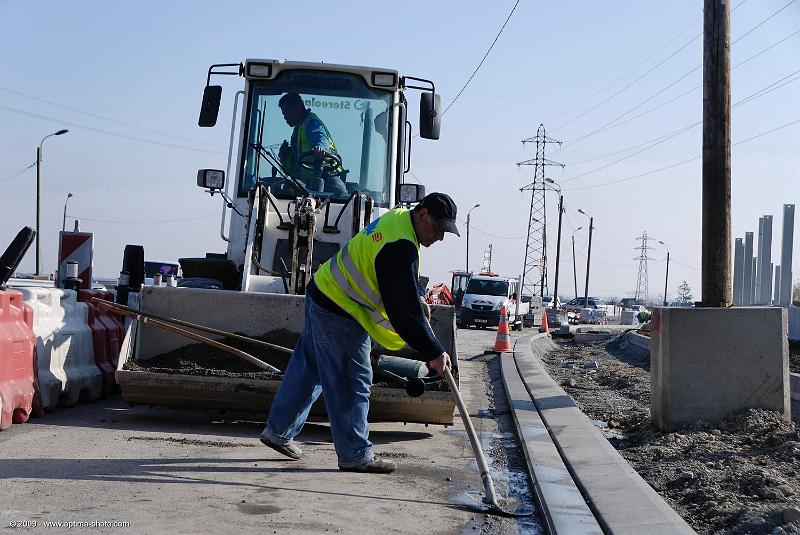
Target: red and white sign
76 247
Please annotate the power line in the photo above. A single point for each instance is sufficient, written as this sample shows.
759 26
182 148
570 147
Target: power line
144 221
657 141
654 108
665 45
651 97
96 116
6 179
781 127
108 132
484 58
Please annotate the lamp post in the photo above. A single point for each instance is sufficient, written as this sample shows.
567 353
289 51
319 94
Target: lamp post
588 257
666 277
64 220
468 214
558 240
574 271
38 196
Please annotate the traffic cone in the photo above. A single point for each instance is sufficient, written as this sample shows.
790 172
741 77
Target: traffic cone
544 328
502 343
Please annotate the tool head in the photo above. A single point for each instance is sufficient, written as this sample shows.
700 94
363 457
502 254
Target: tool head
415 387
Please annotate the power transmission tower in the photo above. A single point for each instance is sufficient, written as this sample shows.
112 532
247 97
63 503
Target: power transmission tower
534 272
642 294
487 260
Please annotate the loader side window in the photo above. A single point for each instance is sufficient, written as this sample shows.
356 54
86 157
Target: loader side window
341 114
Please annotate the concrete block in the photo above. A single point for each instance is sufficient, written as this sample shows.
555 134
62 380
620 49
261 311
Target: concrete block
794 323
707 363
639 340
592 336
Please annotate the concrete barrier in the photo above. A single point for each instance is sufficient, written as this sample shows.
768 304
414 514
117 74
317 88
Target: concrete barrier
707 363
639 340
629 317
794 323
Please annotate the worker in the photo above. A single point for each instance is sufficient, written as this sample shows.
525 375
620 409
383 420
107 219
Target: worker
381 124
309 134
367 290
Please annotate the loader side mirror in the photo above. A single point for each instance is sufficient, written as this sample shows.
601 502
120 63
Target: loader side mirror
411 193
209 110
430 115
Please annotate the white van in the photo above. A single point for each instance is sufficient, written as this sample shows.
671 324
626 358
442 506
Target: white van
485 296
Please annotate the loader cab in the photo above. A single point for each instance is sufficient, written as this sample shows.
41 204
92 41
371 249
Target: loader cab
274 176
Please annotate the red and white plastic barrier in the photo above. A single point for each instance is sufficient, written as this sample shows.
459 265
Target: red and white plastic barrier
17 346
106 336
66 368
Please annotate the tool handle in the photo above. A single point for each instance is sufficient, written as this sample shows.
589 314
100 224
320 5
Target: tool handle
117 306
488 486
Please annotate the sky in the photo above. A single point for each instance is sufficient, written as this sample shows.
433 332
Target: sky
126 78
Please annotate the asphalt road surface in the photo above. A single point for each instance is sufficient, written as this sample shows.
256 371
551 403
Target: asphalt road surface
176 470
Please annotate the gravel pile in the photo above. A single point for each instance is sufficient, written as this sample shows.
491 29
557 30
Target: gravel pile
741 475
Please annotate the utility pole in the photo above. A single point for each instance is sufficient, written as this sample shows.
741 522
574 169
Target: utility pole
588 260
534 271
716 237
558 250
642 294
574 270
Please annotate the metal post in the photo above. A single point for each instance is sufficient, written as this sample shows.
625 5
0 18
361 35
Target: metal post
666 280
38 181
738 269
588 259
747 270
574 271
64 219
716 235
786 255
467 262
765 264
558 250
776 298
757 270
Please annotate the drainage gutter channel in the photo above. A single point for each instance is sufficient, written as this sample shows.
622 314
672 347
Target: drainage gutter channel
617 498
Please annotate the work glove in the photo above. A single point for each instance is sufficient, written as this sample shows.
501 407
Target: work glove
283 152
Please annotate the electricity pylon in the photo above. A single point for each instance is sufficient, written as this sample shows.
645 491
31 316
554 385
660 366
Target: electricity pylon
534 272
642 294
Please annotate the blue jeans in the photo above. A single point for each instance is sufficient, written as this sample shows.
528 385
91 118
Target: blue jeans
332 358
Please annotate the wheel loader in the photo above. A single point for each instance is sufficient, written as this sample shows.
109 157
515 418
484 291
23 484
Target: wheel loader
281 220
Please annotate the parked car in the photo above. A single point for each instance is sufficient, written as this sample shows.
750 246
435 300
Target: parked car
547 302
573 307
681 304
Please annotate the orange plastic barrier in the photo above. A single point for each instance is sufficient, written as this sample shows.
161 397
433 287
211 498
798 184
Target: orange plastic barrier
17 346
106 337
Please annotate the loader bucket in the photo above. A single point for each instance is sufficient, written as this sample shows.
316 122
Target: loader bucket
160 368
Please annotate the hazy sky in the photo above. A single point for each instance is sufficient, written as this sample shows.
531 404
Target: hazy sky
574 66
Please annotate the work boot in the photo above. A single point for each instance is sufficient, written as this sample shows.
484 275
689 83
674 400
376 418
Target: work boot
289 450
375 466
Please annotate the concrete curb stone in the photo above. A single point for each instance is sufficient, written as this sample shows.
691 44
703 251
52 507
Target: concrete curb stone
622 502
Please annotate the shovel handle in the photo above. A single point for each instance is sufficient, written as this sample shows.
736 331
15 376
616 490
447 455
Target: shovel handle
483 466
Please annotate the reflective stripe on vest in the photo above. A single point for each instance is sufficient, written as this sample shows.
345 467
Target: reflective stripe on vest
349 278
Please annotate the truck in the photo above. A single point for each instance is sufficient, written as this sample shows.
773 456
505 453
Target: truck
484 298
280 224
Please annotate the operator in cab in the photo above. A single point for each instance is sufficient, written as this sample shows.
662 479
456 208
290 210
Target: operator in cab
309 134
366 292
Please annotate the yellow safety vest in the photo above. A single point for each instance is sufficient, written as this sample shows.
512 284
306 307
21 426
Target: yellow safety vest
349 280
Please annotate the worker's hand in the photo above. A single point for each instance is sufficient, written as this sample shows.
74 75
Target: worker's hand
319 152
440 363
283 152
426 308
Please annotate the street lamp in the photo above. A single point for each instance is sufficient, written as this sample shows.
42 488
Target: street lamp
468 214
666 277
588 257
38 196
64 220
574 271
558 241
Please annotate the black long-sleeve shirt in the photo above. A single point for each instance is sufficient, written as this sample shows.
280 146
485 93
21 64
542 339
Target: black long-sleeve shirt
396 270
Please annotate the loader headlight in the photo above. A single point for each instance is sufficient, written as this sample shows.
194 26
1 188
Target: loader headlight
211 178
384 79
259 70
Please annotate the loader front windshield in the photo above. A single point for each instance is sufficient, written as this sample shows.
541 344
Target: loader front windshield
339 113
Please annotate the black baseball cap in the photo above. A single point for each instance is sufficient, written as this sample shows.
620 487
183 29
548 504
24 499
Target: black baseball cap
443 209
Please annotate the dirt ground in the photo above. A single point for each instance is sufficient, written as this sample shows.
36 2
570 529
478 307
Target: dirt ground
739 476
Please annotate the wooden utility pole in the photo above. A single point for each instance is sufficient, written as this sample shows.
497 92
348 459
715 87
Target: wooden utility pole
716 241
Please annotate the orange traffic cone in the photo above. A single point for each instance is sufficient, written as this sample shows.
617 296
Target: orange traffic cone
502 343
544 328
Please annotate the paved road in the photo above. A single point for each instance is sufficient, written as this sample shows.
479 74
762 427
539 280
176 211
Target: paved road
179 470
